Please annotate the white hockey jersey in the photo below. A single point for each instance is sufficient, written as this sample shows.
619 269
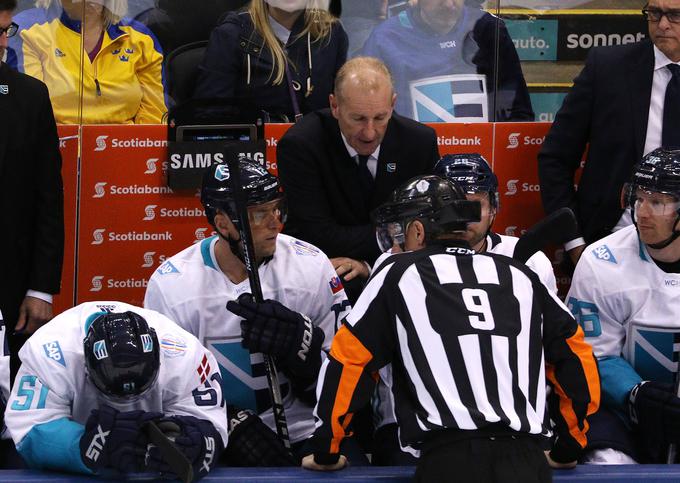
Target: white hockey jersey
191 289
4 374
52 384
629 309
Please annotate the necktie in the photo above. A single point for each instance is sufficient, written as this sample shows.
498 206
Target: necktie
365 176
671 110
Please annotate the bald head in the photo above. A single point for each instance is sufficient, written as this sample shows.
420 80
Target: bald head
363 73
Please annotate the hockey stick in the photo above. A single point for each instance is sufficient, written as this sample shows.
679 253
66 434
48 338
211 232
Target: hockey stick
176 460
672 448
256 290
558 227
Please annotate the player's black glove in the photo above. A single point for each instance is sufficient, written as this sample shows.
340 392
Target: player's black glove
272 328
655 410
253 443
115 439
196 438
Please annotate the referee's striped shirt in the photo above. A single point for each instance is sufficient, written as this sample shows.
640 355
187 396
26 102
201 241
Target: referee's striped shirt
471 338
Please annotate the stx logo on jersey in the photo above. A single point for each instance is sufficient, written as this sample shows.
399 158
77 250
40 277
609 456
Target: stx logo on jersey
203 369
148 259
147 343
97 283
99 350
209 453
151 165
101 143
53 351
97 444
513 140
98 236
604 253
99 191
512 187
150 212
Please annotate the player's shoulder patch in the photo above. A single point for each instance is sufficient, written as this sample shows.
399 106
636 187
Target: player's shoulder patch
53 351
167 268
303 248
603 252
173 345
335 285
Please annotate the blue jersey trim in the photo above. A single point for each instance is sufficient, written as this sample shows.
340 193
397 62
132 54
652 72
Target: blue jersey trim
54 445
643 255
207 253
617 378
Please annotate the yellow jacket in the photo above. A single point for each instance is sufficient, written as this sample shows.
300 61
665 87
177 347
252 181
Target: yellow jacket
123 85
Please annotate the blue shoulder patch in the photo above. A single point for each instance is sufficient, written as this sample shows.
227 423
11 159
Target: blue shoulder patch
604 253
302 248
166 268
53 351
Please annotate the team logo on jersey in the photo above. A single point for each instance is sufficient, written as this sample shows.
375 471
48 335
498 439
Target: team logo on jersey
129 51
99 350
167 268
302 248
653 352
203 369
391 167
115 52
450 98
124 58
173 345
222 172
53 351
147 343
336 284
4 89
604 253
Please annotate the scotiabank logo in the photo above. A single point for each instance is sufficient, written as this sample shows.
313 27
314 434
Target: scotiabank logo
148 259
151 165
98 236
97 283
524 187
510 231
200 233
513 140
149 212
130 236
512 187
454 141
99 191
101 143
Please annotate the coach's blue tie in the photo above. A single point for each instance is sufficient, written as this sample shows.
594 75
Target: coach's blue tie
365 176
671 110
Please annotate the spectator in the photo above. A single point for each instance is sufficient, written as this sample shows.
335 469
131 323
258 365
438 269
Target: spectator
194 286
360 17
624 293
31 200
471 339
121 82
93 378
624 104
280 56
450 63
340 163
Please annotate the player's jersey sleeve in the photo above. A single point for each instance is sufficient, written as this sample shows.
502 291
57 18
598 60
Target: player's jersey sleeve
4 377
158 297
330 305
540 264
601 315
38 413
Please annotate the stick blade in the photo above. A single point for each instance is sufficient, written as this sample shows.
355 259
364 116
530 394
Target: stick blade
559 227
176 460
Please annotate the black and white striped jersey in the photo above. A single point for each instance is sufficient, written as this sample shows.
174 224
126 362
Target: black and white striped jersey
471 339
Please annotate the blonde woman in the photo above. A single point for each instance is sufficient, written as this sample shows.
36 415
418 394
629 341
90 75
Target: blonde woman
118 65
279 55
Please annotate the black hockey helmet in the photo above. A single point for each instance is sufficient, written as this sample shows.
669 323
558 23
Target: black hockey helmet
259 185
436 202
657 172
121 354
471 171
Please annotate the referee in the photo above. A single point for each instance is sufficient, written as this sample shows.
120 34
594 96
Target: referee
468 347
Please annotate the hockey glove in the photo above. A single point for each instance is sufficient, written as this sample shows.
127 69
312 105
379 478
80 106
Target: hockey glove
253 443
272 328
196 438
115 440
655 410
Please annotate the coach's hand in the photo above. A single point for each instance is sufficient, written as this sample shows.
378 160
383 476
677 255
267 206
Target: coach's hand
655 409
309 464
348 268
33 314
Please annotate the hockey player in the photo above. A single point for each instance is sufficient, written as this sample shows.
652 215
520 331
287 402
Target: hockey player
92 379
304 302
466 335
624 293
473 174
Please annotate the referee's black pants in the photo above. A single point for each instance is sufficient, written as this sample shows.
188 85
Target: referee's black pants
477 458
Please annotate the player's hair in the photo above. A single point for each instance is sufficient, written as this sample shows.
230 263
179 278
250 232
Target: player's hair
113 11
8 5
370 73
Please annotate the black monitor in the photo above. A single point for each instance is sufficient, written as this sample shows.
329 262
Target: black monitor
217 132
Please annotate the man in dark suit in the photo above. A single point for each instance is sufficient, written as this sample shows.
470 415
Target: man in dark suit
31 199
337 164
623 105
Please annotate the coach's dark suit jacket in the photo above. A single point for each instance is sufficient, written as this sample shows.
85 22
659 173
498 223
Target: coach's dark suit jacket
326 204
608 107
31 192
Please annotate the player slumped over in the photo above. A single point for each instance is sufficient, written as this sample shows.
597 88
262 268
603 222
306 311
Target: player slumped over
92 380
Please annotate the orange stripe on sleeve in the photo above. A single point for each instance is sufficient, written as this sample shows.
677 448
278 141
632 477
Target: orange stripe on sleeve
351 353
